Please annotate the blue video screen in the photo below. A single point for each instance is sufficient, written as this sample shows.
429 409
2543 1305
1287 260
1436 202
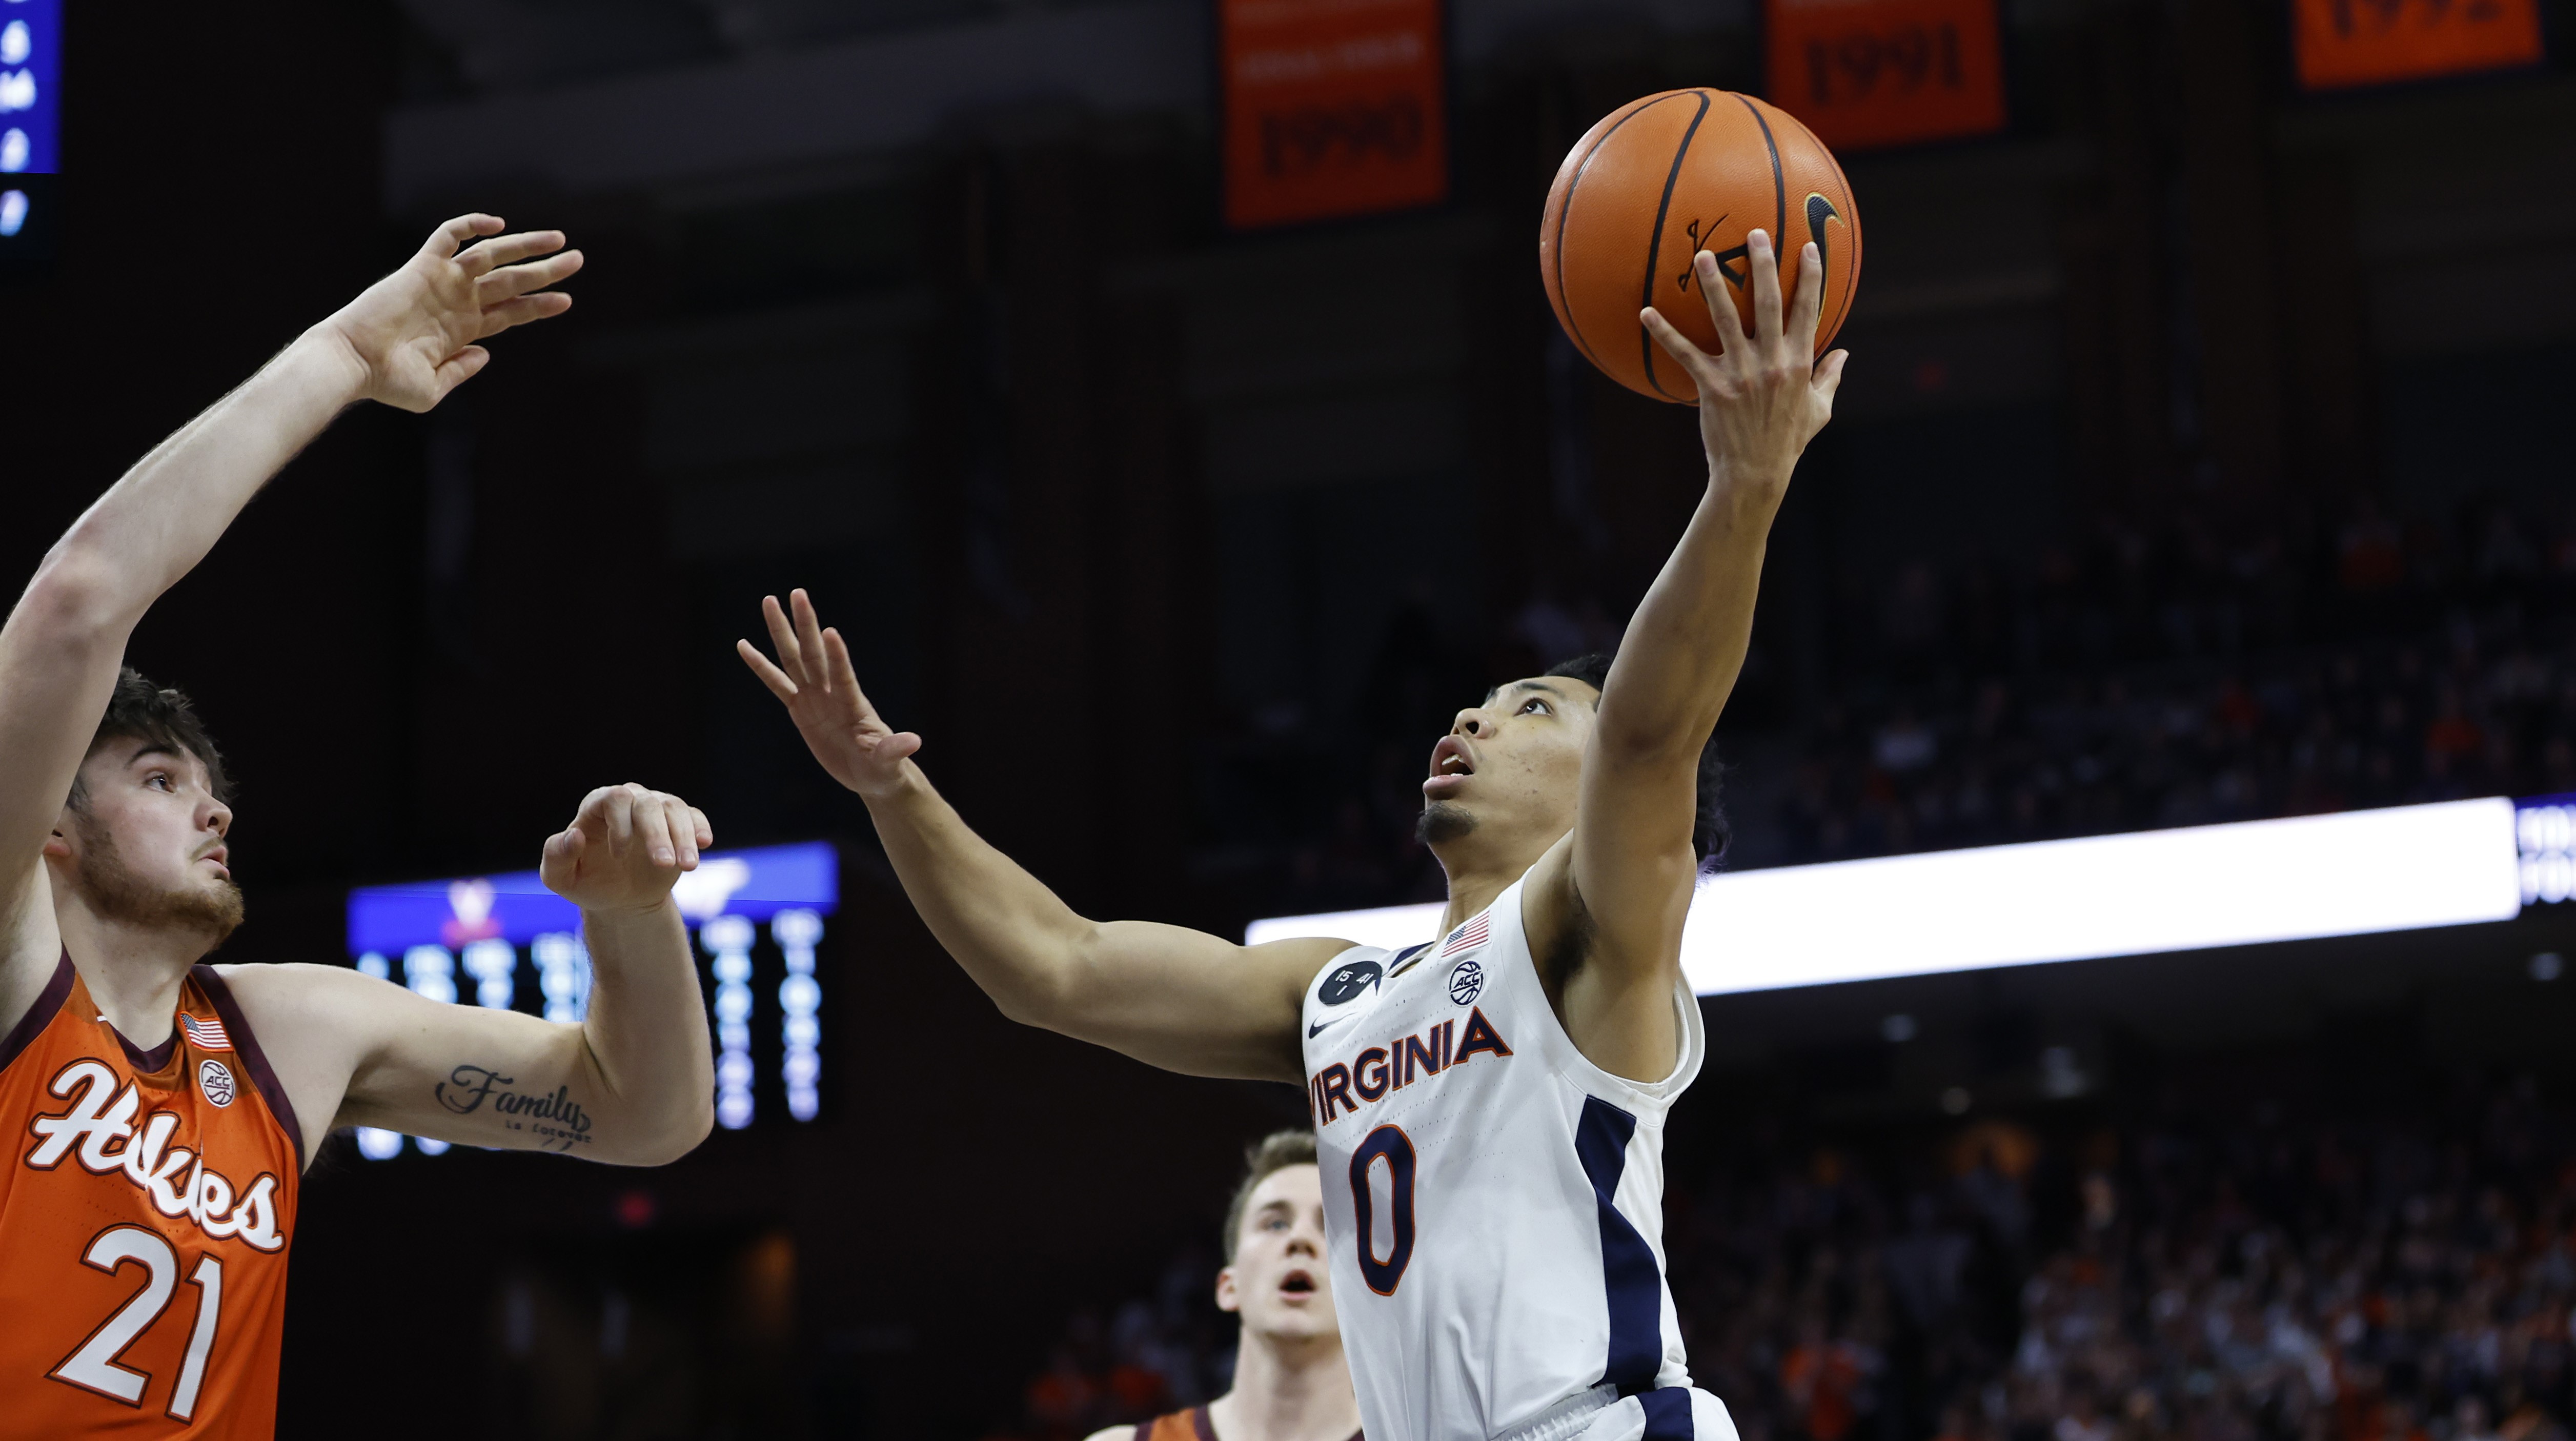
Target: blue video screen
31 71
755 917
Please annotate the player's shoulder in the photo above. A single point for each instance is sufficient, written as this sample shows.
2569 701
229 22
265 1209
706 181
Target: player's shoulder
299 998
294 981
1190 1425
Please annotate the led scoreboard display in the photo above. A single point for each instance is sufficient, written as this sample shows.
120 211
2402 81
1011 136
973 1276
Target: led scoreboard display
1886 72
2544 831
31 48
2344 43
755 917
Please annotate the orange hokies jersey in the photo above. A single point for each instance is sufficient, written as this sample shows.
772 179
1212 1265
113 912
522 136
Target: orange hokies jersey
144 1221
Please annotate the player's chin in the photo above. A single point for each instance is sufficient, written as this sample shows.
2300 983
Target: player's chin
1308 1314
1443 821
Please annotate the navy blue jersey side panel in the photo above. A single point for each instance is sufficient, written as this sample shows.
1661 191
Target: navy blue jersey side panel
1668 1414
1629 1276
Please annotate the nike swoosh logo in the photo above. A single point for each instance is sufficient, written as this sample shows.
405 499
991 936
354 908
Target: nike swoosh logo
1320 1027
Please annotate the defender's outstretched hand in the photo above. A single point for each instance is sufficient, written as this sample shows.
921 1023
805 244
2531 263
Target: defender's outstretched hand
624 849
415 331
1762 397
815 680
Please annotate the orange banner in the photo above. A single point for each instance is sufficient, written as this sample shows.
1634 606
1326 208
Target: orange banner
2369 42
1332 108
1887 72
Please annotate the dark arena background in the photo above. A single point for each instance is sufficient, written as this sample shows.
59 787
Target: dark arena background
2206 460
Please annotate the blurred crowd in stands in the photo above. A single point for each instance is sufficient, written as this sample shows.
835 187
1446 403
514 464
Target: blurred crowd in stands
2239 1271
2128 679
2235 1275
2157 679
1141 1358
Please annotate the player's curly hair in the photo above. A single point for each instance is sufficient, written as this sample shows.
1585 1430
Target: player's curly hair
1710 831
1271 1154
139 710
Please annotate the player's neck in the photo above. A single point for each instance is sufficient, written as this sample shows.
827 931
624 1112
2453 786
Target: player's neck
1287 1389
133 972
1480 870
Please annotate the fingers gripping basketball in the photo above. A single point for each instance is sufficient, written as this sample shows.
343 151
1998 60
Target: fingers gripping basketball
1659 180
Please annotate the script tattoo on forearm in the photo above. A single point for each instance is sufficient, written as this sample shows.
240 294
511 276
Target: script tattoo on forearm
557 1121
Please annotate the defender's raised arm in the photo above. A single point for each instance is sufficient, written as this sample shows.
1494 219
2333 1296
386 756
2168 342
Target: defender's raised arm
1168 996
407 341
632 1084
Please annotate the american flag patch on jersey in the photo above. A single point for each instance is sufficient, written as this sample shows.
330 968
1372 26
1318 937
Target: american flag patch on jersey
205 1035
1469 936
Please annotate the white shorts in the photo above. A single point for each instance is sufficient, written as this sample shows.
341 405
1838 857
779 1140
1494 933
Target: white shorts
1673 1413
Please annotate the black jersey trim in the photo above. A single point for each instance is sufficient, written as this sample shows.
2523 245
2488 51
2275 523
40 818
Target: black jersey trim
49 1003
237 1026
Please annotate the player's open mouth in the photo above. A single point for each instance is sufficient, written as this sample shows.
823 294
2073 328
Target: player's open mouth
1297 1283
1451 764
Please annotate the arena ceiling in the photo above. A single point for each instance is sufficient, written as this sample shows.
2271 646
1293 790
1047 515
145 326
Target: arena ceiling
501 45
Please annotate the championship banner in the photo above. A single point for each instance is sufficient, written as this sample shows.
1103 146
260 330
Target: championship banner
1886 72
2370 42
1332 108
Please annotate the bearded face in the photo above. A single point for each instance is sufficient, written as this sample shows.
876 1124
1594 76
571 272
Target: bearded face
114 890
142 843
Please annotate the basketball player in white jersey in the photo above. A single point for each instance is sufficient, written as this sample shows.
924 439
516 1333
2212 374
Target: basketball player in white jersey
1488 1106
1292 1381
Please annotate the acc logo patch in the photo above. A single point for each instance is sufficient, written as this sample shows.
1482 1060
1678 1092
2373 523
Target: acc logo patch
1466 981
1346 983
216 1080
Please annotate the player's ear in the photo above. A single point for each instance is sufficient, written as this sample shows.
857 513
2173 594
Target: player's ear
1228 1299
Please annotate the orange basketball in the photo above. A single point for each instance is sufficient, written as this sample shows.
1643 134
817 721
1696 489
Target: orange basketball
1657 181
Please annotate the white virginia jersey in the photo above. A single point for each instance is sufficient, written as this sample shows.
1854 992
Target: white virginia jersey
1495 1202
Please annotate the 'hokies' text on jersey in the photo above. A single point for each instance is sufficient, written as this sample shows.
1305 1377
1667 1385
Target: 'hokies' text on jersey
146 1210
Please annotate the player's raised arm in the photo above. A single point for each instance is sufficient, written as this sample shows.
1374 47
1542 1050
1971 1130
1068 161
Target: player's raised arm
632 1084
1171 997
407 341
1623 886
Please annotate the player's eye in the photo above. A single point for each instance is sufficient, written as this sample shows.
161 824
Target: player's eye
1539 706
161 779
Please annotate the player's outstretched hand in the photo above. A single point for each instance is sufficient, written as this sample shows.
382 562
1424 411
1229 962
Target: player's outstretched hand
814 679
624 849
416 330
1763 396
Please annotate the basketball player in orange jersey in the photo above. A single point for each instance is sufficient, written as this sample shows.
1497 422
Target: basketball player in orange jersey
162 1109
1291 1381
1489 1114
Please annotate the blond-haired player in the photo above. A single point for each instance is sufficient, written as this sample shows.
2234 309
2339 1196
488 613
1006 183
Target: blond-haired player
1291 1381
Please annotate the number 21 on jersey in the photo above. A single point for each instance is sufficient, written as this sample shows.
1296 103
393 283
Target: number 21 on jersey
93 1365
